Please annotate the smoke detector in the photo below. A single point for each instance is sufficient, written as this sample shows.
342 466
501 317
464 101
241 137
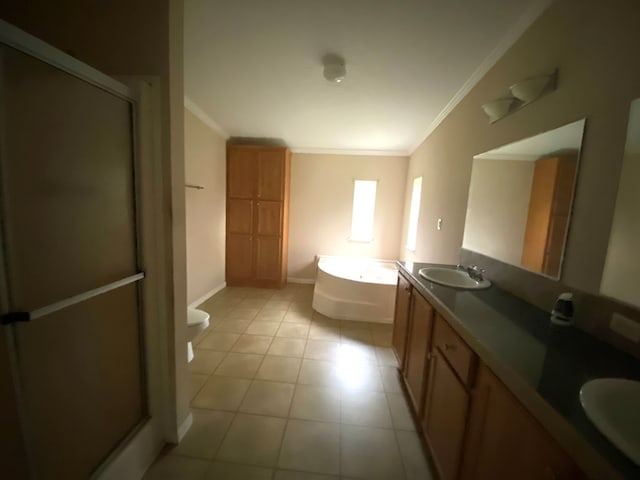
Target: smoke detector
335 70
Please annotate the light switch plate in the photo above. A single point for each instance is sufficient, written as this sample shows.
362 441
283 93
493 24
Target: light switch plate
626 327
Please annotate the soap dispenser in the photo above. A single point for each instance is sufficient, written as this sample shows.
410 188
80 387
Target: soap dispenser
562 313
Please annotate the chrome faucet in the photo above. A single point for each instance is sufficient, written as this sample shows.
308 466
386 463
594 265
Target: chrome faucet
473 271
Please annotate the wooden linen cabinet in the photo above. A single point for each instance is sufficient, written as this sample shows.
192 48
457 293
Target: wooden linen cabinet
258 180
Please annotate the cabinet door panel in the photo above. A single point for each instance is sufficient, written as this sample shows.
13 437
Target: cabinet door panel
268 258
240 216
505 441
401 318
445 417
269 218
271 175
242 167
239 255
420 328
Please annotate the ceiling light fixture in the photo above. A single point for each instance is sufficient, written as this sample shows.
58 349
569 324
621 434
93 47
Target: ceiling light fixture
335 70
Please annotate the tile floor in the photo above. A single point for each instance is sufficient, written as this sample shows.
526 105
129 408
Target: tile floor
281 392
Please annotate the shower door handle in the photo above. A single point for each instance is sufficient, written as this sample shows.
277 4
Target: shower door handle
10 318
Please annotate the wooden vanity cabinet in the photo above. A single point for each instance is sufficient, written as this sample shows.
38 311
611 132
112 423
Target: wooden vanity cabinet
418 346
446 403
257 215
505 441
401 318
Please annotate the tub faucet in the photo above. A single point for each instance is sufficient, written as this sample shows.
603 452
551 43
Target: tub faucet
473 271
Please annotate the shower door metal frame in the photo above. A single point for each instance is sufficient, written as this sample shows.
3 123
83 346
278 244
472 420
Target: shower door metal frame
15 38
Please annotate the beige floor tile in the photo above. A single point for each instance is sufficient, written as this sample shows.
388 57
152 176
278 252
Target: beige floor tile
234 471
196 381
254 303
311 447
252 344
319 319
263 328
319 373
283 295
316 403
239 365
173 467
291 475
354 352
292 330
259 294
324 332
413 456
301 306
221 342
242 313
221 393
287 347
277 304
359 335
358 376
236 325
400 413
279 369
253 439
365 408
391 379
370 453
297 317
200 336
268 398
205 361
322 350
381 338
386 357
205 435
269 315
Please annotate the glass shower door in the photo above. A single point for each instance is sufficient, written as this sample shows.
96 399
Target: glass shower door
69 247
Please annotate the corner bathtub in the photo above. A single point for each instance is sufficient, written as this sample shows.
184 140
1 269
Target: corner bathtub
351 288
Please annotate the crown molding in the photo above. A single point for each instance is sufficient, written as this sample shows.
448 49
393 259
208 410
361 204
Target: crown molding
206 119
347 151
514 33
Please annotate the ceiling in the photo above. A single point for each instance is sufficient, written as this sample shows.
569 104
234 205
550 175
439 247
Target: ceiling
254 67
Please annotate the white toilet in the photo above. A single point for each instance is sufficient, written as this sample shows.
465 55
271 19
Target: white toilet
197 321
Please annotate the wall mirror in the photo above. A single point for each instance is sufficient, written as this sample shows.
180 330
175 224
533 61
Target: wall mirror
621 275
520 199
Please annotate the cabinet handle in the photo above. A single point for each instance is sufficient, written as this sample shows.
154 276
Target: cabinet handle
449 346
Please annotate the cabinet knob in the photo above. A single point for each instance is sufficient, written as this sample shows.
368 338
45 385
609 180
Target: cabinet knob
406 289
449 346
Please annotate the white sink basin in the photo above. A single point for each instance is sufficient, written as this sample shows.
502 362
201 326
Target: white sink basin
452 278
613 405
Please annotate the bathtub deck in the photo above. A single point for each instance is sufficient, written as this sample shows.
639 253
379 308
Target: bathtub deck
277 390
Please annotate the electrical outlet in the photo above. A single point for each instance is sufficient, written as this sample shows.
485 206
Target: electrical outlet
626 327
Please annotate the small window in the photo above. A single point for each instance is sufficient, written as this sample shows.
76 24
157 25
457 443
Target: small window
414 213
364 203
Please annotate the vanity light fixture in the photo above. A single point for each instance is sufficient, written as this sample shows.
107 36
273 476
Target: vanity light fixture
521 93
532 88
496 109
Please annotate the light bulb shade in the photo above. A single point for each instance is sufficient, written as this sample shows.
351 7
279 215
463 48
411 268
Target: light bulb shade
496 109
530 89
335 72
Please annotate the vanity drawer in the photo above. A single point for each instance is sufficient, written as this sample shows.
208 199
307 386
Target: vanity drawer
455 350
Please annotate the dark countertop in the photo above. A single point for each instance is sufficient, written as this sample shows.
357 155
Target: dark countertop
542 364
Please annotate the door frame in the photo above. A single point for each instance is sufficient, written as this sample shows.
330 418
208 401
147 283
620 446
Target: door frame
139 449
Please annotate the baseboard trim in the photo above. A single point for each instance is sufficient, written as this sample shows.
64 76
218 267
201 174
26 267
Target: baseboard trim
207 295
303 281
184 427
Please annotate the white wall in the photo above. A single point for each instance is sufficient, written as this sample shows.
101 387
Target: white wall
498 208
205 165
321 203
